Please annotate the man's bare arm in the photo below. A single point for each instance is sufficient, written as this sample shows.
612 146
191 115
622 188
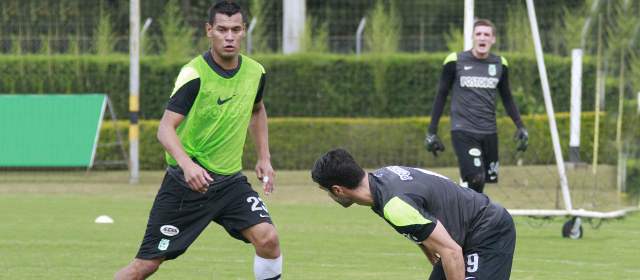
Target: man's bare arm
441 243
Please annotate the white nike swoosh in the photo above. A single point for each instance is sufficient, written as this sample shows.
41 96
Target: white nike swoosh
263 215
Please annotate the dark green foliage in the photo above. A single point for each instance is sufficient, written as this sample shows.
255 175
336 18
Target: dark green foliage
300 85
176 34
631 136
382 35
633 176
296 142
104 36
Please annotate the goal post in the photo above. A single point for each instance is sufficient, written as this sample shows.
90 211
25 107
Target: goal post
571 228
549 105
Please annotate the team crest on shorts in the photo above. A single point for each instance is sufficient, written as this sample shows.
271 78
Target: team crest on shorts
492 69
164 244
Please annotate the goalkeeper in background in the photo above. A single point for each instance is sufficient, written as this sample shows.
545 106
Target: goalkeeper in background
475 78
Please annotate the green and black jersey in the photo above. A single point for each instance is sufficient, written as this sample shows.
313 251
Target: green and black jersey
413 200
475 84
217 106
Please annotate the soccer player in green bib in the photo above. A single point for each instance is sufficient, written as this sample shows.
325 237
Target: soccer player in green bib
217 97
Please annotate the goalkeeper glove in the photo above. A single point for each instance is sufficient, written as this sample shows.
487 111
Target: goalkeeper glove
522 137
433 144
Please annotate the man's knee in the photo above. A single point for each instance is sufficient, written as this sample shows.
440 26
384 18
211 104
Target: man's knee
268 241
265 239
476 181
138 269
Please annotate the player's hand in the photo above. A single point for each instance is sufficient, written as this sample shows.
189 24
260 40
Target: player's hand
433 144
434 258
197 177
266 175
522 137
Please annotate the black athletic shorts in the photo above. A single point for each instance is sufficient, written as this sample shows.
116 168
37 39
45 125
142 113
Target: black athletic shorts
490 249
477 153
179 214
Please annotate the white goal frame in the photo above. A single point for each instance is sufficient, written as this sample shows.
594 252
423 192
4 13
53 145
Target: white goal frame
564 185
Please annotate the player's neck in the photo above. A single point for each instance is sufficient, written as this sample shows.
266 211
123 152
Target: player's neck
362 194
478 55
225 63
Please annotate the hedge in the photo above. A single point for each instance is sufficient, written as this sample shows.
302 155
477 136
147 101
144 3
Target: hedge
296 142
311 85
633 176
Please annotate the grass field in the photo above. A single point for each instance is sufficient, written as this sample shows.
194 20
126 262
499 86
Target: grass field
46 220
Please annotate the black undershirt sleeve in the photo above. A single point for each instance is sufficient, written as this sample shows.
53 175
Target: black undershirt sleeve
507 98
263 80
446 81
183 99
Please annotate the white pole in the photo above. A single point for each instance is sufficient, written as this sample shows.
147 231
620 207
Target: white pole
576 104
361 25
564 184
134 88
621 158
293 18
599 88
252 26
145 26
468 24
587 23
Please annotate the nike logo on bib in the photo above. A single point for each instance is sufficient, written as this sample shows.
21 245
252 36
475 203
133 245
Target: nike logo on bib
222 101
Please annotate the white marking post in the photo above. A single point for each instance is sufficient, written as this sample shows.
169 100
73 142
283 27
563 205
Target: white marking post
103 219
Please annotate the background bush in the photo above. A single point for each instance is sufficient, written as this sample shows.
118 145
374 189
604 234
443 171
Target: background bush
295 143
310 85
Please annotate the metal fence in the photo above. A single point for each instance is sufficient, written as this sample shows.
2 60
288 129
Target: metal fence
73 26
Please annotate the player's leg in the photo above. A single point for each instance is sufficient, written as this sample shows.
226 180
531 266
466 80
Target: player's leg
492 257
490 152
138 269
175 221
468 150
264 238
247 218
267 263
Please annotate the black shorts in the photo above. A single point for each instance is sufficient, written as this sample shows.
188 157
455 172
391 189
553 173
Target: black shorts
489 254
179 214
477 153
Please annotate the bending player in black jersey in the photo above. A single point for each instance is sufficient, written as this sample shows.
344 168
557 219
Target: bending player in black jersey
475 78
462 233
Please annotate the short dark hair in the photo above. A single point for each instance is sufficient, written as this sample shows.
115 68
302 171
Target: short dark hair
226 7
337 167
485 22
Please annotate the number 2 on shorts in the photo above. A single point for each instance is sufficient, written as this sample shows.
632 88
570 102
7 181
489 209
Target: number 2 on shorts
255 202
